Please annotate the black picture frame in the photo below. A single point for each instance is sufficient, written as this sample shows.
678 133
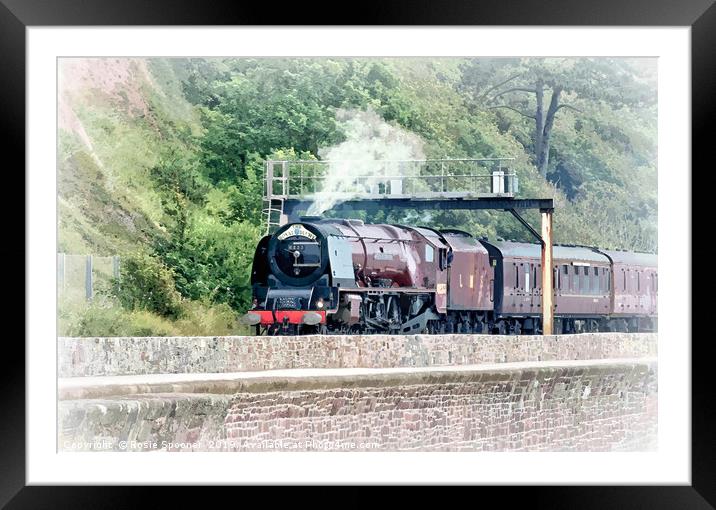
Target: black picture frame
700 15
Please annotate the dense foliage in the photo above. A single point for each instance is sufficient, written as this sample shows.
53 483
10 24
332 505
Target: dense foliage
166 168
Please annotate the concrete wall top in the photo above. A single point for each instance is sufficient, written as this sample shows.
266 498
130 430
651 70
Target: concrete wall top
346 378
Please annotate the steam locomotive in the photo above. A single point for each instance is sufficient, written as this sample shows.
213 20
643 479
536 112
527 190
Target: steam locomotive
344 276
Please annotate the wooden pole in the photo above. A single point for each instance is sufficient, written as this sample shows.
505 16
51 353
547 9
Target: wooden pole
547 283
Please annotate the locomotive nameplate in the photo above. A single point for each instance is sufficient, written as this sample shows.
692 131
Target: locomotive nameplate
297 230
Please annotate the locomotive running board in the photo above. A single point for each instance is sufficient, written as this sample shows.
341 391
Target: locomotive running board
386 290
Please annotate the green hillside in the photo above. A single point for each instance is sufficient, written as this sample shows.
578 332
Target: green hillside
160 161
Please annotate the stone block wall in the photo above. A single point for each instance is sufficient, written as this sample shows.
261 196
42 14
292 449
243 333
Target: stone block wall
151 422
539 406
602 409
155 355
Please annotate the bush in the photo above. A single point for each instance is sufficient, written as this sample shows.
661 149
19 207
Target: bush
203 319
143 323
147 284
213 263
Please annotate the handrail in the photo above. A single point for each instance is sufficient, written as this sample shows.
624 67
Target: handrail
327 161
423 179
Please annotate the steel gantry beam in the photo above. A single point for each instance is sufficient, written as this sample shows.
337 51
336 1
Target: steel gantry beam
295 208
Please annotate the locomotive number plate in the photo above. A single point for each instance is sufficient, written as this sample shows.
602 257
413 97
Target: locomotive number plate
284 303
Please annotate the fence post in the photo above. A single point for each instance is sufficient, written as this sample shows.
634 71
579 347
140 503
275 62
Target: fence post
115 266
88 277
60 272
115 270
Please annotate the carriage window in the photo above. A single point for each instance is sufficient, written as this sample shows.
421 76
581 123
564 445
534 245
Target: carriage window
609 280
559 278
517 277
638 281
585 280
624 273
595 281
429 253
575 278
555 277
656 281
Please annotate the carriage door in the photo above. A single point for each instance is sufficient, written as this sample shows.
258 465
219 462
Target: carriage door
441 281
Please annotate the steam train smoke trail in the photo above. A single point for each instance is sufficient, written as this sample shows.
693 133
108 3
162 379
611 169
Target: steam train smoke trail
360 163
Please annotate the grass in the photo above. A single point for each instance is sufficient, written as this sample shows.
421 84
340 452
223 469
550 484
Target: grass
103 316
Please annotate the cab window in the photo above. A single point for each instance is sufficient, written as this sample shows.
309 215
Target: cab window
443 259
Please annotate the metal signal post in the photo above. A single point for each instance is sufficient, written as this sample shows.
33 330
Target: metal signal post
547 274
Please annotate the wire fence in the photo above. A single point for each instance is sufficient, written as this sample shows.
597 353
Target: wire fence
81 277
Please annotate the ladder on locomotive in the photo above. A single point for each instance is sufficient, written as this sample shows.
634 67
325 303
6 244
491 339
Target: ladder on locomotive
275 194
272 212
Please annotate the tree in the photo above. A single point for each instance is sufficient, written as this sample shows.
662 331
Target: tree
180 184
544 121
537 89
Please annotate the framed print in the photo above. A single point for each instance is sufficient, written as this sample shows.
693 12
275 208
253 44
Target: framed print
422 248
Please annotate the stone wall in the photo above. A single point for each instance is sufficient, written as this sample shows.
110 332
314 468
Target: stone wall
540 410
150 422
601 405
154 355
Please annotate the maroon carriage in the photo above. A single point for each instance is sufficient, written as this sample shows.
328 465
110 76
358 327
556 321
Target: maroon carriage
635 281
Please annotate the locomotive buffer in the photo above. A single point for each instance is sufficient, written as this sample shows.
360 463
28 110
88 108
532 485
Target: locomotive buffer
295 188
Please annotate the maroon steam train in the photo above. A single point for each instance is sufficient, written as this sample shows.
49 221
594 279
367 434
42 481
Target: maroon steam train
345 276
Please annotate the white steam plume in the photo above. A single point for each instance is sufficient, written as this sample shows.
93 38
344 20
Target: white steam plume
361 163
